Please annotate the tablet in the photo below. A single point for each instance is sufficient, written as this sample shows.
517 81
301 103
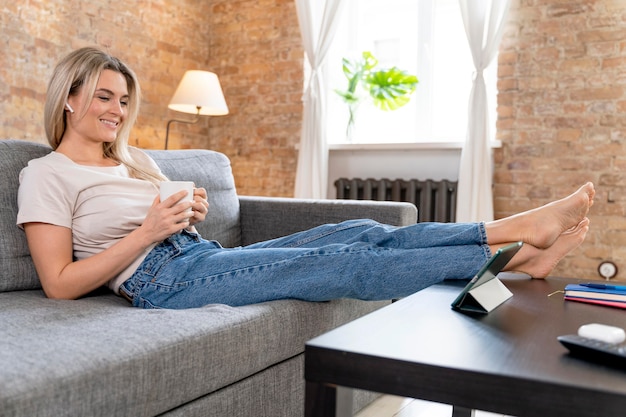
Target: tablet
465 301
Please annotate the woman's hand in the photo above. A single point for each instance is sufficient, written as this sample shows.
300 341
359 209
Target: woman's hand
166 217
200 206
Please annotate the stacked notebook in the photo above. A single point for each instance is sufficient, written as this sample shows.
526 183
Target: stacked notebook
608 295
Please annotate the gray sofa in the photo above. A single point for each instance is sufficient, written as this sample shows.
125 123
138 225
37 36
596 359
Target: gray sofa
98 356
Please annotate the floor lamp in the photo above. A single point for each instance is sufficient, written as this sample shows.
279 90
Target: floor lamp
198 93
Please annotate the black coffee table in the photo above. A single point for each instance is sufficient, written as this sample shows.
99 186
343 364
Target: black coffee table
508 361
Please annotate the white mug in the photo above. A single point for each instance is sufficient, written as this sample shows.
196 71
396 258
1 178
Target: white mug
167 188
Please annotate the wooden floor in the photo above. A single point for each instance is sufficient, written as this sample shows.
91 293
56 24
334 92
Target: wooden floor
391 406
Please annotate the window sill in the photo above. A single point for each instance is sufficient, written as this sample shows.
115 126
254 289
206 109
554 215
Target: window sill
401 146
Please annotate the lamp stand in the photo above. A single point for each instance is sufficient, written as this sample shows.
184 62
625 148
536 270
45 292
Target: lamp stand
190 122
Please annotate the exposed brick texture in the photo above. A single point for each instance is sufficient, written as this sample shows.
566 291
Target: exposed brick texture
561 118
257 47
561 100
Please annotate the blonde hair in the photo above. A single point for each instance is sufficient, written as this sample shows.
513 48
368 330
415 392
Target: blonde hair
79 70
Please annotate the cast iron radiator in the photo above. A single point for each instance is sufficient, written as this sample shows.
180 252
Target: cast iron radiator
435 200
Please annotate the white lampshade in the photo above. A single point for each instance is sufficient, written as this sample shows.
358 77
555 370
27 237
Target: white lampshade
199 89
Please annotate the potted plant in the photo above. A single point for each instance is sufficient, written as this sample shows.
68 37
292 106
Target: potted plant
389 89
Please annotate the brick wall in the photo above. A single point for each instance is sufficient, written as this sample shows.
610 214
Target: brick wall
561 109
561 101
256 46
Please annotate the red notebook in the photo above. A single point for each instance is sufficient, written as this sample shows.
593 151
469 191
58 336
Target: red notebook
618 304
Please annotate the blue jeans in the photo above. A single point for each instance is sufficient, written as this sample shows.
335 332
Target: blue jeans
359 259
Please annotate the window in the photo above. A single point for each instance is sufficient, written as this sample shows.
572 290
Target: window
424 37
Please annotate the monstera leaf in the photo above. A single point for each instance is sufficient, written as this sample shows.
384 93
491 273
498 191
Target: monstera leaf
390 89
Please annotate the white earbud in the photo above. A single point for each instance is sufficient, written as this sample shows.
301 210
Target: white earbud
67 106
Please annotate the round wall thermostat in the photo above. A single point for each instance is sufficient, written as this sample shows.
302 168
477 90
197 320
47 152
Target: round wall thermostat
607 269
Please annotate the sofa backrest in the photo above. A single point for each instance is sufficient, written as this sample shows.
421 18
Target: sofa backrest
17 271
207 169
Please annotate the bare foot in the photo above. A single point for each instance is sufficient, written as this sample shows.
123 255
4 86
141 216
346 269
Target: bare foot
541 227
538 263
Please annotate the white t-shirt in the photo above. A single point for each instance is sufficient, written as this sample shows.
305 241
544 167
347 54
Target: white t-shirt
101 205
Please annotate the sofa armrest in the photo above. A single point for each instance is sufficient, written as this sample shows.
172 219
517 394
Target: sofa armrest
264 218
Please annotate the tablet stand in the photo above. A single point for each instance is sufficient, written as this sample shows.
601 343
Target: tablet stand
485 298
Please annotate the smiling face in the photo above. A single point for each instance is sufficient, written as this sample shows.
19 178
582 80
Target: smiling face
106 112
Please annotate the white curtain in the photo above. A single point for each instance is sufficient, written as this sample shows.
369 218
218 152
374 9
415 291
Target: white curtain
484 23
312 172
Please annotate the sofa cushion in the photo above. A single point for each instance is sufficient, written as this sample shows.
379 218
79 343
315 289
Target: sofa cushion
74 357
16 268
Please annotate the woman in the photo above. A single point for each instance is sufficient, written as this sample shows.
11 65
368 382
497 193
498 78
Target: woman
92 216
